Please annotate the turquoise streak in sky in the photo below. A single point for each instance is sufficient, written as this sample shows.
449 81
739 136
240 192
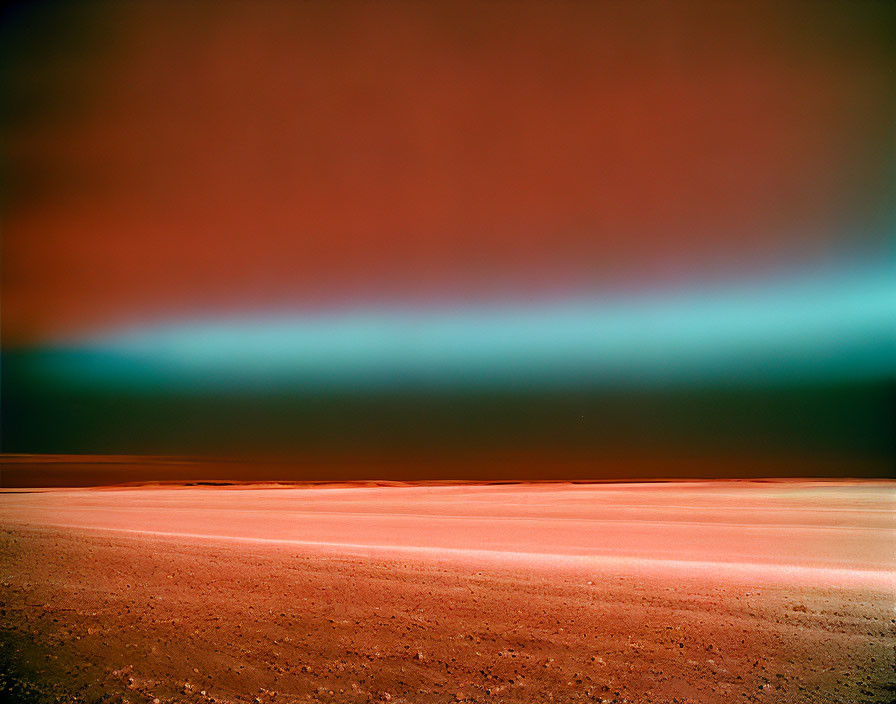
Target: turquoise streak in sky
827 328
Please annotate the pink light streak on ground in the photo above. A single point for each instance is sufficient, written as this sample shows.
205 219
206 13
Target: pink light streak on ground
812 533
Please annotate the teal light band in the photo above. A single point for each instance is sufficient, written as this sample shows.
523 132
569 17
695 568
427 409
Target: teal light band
834 327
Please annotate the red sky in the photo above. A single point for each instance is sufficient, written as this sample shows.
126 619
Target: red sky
168 157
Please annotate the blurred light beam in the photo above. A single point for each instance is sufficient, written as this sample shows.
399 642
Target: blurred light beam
825 328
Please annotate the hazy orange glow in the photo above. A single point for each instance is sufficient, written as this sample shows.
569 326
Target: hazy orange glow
209 156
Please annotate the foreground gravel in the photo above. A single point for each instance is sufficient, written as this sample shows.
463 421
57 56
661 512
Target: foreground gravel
103 616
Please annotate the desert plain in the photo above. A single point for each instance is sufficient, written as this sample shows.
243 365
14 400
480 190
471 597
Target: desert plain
725 591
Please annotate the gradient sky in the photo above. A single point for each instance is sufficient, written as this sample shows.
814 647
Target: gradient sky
171 158
201 184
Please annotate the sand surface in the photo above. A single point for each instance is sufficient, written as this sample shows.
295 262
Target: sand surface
700 592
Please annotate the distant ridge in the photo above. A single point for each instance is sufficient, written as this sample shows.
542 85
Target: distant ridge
55 470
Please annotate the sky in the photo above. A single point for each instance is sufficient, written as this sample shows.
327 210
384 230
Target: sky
625 229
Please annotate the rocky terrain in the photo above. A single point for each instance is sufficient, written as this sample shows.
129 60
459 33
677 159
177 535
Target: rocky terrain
138 595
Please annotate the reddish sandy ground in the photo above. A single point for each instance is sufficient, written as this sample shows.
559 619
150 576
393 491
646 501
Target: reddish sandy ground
672 592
